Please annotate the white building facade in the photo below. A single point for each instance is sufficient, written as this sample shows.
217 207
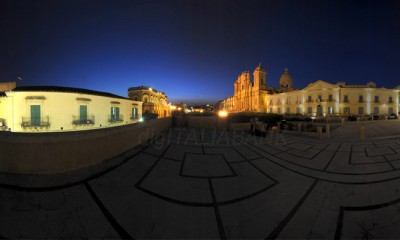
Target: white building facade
42 109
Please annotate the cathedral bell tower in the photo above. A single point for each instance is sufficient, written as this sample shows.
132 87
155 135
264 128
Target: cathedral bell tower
260 77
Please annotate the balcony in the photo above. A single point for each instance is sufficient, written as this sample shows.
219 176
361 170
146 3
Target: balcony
83 121
360 100
134 117
28 122
115 118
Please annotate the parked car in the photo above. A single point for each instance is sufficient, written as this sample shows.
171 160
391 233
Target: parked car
351 118
373 117
283 125
392 116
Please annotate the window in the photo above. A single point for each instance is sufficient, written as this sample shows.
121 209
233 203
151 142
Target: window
346 110
345 98
135 113
330 98
287 110
390 99
376 99
297 110
360 110
309 99
145 99
390 110
83 113
279 110
360 99
115 114
319 98
270 110
330 110
376 110
35 115
309 110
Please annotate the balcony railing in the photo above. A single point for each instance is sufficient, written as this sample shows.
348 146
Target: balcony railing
134 117
83 121
115 118
35 122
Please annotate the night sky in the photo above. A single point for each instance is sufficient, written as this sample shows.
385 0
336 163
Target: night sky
194 50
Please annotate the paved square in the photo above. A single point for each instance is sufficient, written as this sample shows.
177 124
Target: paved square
206 166
182 186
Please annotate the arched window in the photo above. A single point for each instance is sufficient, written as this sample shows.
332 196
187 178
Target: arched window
145 99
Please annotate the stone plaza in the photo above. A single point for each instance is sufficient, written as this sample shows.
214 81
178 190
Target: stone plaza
207 183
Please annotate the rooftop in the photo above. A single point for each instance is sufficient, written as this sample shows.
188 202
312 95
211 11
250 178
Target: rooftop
145 88
65 90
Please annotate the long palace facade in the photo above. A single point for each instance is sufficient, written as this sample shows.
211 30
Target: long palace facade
319 98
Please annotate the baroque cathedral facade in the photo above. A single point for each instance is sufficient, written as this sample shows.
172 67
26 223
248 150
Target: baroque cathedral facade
319 98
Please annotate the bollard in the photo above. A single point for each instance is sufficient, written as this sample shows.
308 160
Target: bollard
362 132
319 130
342 121
328 130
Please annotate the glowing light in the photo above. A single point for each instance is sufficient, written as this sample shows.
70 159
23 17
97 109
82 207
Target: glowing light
141 119
222 113
150 89
172 107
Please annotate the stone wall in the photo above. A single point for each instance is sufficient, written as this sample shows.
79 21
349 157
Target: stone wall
200 122
64 151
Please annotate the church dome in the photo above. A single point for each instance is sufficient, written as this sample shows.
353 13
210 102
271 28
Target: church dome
286 80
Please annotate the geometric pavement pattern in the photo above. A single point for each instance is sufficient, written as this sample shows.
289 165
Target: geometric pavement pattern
207 183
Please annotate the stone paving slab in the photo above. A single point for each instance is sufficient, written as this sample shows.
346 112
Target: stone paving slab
207 183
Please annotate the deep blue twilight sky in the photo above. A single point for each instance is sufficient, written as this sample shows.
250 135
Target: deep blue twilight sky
193 49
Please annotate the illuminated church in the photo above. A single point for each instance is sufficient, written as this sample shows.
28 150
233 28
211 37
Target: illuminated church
319 98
